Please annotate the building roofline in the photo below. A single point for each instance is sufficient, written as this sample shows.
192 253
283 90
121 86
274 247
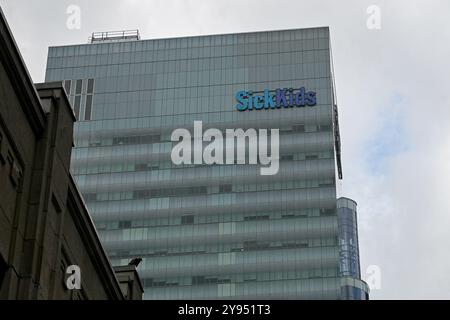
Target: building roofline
130 268
20 77
58 91
195 36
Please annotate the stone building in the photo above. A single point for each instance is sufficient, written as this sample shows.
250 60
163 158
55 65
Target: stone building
45 226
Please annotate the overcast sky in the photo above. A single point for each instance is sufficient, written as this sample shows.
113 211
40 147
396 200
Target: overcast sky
392 94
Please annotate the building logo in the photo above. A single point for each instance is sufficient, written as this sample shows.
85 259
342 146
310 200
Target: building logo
281 98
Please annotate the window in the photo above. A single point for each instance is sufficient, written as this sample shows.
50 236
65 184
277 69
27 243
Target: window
286 130
150 139
124 224
311 157
327 212
81 97
289 157
198 280
67 85
147 139
90 86
88 110
253 218
295 244
79 86
225 188
298 128
170 192
255 245
187 219
141 167
77 107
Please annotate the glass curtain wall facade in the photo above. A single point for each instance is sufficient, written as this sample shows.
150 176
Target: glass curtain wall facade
208 232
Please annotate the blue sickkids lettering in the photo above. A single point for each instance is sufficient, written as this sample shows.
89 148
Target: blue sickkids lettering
281 98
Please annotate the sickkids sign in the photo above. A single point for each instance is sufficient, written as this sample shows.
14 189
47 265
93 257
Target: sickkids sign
275 99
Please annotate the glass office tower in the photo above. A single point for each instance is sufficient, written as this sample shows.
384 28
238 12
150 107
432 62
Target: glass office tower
211 231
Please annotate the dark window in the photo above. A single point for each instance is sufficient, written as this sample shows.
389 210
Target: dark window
88 111
124 224
324 127
90 87
67 85
255 245
172 284
77 107
187 219
225 188
159 283
298 128
79 86
140 194
198 280
311 157
253 218
289 157
141 167
326 212
295 245
155 193
148 139
221 281
211 280
118 140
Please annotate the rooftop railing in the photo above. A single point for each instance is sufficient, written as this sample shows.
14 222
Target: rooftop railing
125 35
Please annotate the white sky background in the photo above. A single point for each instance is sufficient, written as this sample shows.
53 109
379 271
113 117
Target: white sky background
393 99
